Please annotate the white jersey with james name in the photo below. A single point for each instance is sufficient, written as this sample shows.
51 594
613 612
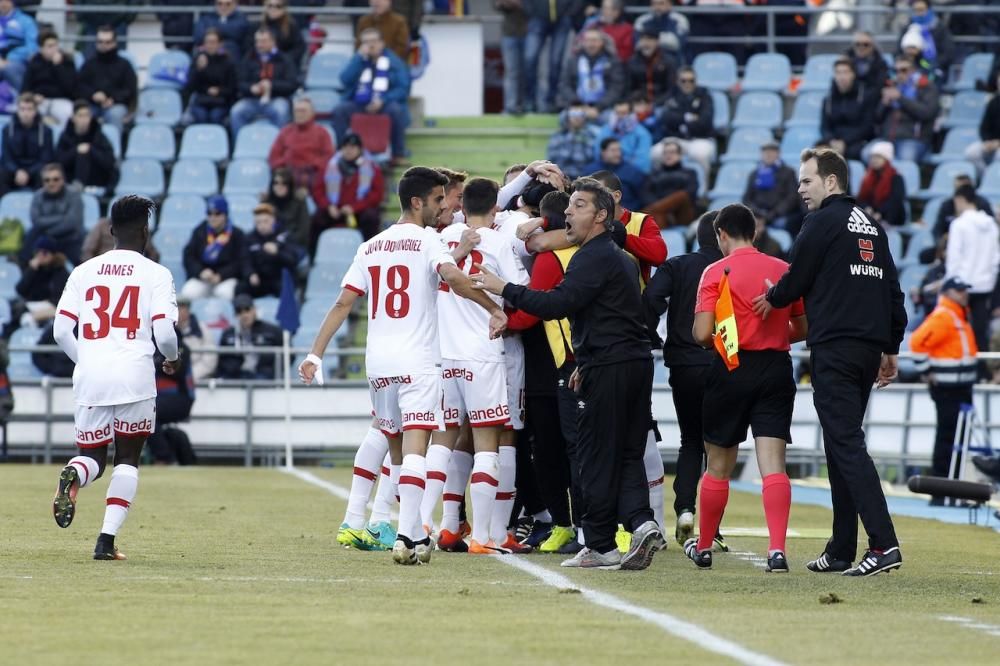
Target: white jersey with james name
115 298
398 270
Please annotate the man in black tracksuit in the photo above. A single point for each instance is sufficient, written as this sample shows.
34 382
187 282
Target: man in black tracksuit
841 265
614 378
673 289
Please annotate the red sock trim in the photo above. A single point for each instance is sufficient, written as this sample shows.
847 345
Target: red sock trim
365 474
118 501
658 482
385 470
483 477
452 497
411 480
437 476
84 469
505 496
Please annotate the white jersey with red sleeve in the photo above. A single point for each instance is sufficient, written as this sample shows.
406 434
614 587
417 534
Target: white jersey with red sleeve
115 298
398 270
507 222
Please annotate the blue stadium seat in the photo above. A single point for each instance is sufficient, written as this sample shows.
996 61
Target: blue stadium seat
818 73
807 111
724 200
17 205
920 240
20 366
967 109
976 66
989 188
745 143
910 173
856 171
214 314
895 244
152 141
246 176
159 105
783 238
324 280
955 142
91 210
676 241
943 180
170 240
720 111
795 140
254 141
931 209
758 109
338 244
241 209
114 136
731 180
194 177
324 70
267 307
716 70
700 171
168 69
10 275
205 141
323 100
176 267
767 71
910 277
181 211
130 57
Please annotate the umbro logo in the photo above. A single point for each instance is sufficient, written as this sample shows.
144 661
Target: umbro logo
581 404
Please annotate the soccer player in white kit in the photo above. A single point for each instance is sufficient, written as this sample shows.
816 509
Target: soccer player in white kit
400 270
118 301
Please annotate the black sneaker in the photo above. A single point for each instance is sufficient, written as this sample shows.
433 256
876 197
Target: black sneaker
539 533
702 558
572 548
64 503
719 544
875 563
106 549
826 564
521 528
777 563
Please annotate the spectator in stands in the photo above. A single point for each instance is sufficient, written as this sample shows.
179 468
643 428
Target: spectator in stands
174 399
391 25
906 112
212 82
549 21
99 240
42 280
652 71
57 214
269 252
289 205
671 190
595 75
231 23
215 256
572 147
267 78
983 152
848 121
196 336
672 28
411 10
375 81
18 42
946 213
936 46
763 241
633 180
92 22
25 149
513 30
925 296
610 19
634 138
883 193
108 81
352 190
248 333
53 364
869 66
286 30
687 116
51 78
911 47
303 146
177 28
85 153
772 190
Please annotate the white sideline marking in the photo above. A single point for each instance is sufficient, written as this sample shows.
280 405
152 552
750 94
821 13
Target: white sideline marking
677 627
969 623
332 488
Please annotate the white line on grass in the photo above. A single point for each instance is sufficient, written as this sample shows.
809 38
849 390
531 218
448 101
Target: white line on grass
677 627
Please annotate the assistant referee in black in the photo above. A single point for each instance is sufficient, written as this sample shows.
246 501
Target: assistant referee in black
614 378
841 266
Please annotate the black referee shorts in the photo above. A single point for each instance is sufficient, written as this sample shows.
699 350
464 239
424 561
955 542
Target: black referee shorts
759 394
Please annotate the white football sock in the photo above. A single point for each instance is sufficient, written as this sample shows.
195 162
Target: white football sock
485 473
87 469
121 492
411 491
366 470
385 495
543 516
459 470
505 494
654 477
437 466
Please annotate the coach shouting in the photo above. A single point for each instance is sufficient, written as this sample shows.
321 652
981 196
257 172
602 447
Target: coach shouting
614 378
841 266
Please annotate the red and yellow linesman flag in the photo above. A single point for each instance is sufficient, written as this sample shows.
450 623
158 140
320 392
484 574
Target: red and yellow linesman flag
727 338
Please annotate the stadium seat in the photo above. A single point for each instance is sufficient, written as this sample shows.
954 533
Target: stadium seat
181 211
323 100
176 267
700 171
931 209
943 180
170 240
895 244
152 141
795 140
254 141
337 244
214 314
241 210
91 210
20 366
17 205
955 142
245 176
807 111
114 136
716 70
976 66
676 241
966 110
168 69
267 307
990 187
920 240
856 172
10 275
194 177
783 238
910 278
910 173
205 141
745 143
159 105
731 180
818 73
324 280
767 71
720 111
374 130
758 109
724 200
324 70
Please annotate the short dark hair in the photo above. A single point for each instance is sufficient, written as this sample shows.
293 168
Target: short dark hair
80 104
967 192
54 166
845 62
27 98
131 212
608 180
107 27
515 167
419 182
212 31
480 196
454 177
553 208
607 141
706 230
603 198
736 220
828 163
963 177
46 35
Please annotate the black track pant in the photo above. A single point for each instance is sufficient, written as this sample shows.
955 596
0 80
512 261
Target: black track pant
688 386
947 400
548 456
568 414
